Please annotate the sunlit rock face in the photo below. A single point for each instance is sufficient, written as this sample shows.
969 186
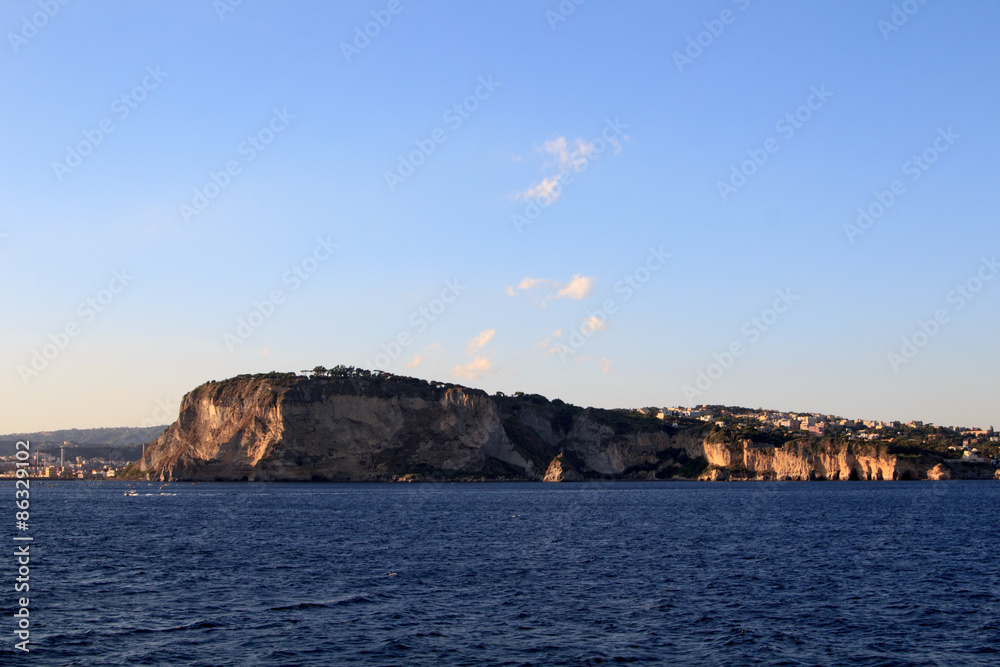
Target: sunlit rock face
364 426
799 462
940 472
280 429
560 470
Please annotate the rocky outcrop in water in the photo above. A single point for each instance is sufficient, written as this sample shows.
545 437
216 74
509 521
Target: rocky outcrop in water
560 470
363 426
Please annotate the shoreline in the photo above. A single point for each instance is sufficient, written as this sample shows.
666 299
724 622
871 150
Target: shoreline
504 481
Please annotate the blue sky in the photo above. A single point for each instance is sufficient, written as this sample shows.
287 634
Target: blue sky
201 84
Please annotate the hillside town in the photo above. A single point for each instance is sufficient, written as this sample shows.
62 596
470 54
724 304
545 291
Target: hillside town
973 445
65 465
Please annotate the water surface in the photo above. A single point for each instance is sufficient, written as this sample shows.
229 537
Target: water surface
781 573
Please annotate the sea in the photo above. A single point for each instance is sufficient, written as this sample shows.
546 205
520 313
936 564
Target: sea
659 573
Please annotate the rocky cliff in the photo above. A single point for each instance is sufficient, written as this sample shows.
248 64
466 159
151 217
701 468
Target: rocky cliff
808 460
361 426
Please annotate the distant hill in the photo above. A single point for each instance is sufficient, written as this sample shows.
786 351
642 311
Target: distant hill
117 452
123 438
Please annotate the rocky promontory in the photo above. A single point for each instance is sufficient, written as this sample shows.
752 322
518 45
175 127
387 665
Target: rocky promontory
356 425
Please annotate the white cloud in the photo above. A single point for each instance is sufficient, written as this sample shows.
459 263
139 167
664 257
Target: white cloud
510 290
415 362
592 324
546 191
547 342
479 341
555 146
579 287
473 370
529 283
605 365
569 156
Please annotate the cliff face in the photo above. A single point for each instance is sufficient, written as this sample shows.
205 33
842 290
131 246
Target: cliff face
561 471
380 427
744 460
301 429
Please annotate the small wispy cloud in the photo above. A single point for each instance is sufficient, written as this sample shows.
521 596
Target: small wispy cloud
579 287
592 324
605 365
473 370
548 343
546 191
531 283
569 155
480 341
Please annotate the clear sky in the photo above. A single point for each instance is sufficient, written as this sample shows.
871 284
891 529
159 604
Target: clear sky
616 204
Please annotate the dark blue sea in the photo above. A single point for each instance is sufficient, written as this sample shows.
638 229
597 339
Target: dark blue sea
860 573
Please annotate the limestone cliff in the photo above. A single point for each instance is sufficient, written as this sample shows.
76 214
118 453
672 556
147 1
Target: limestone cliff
296 428
803 462
560 470
363 426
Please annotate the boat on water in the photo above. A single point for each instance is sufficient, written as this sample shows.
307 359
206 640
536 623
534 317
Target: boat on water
131 492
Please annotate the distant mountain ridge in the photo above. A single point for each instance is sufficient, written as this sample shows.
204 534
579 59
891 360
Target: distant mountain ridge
112 436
